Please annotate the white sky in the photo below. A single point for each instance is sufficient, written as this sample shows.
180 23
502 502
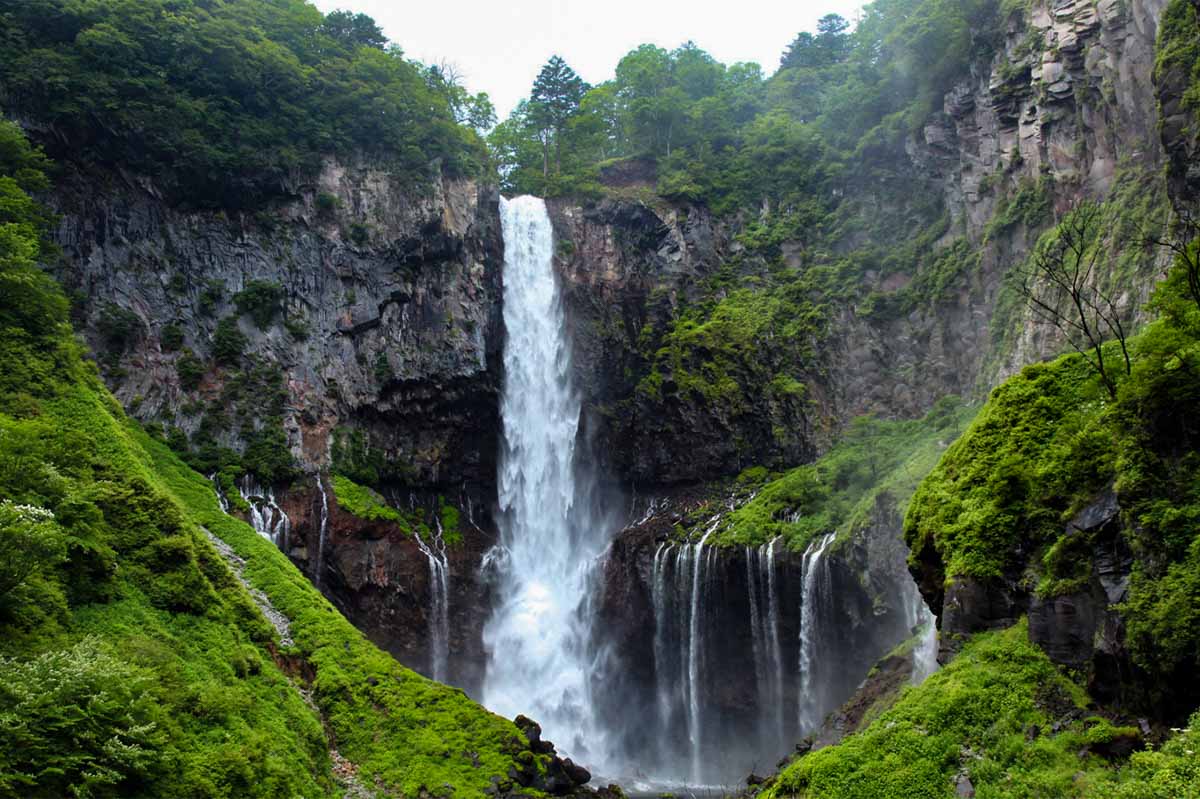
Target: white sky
498 46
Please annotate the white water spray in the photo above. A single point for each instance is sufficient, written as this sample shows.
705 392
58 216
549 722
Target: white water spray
537 637
266 517
925 653
439 600
321 533
816 584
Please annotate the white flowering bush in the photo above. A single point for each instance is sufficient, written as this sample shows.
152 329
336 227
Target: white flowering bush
30 540
74 722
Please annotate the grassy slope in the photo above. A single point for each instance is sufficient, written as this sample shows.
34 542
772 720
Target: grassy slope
989 714
407 730
132 660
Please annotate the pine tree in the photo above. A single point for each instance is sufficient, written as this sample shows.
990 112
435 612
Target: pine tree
555 98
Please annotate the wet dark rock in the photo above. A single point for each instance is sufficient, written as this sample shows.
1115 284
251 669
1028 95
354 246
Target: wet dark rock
881 687
576 773
963 788
974 605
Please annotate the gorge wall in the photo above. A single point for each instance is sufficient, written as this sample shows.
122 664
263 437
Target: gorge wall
382 348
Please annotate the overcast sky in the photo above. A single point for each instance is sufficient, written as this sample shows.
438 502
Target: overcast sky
498 46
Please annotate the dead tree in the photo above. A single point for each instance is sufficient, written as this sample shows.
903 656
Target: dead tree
1062 288
1179 240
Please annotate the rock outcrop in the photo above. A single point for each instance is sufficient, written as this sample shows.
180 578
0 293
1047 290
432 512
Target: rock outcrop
386 317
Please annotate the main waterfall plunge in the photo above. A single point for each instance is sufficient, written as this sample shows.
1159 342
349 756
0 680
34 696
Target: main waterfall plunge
737 653
538 636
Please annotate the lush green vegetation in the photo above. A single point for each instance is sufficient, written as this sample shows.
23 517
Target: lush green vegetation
1179 51
873 459
363 502
132 660
841 101
1002 715
1048 442
225 103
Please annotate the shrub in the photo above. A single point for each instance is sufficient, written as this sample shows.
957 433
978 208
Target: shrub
190 370
30 541
76 722
261 301
171 337
229 343
118 327
211 297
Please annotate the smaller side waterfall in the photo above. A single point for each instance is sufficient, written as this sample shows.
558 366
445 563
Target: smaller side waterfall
320 565
222 500
764 627
817 603
266 517
680 576
922 621
439 610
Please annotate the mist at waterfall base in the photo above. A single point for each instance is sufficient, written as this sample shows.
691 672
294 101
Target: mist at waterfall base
741 626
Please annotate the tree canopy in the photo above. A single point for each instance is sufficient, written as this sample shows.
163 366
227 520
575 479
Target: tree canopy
227 103
842 100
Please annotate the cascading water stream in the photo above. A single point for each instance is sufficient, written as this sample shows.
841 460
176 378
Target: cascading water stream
320 568
816 603
538 636
764 626
696 652
266 517
439 596
925 654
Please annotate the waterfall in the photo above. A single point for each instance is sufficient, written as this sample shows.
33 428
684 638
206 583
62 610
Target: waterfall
921 620
817 601
538 635
266 517
658 595
680 580
764 628
696 652
320 568
439 601
222 501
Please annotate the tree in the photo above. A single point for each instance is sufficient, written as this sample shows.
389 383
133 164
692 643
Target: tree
1062 288
1182 242
354 30
556 95
831 45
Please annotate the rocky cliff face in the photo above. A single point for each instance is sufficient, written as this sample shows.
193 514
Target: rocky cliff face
387 320
1065 112
385 336
627 267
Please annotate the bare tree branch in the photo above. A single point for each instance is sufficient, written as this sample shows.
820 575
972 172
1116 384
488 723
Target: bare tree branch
1060 285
